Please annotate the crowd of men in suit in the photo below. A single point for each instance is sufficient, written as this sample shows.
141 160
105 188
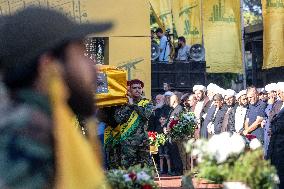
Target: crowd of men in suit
253 111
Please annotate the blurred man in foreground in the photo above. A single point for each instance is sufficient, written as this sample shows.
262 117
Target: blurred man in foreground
44 68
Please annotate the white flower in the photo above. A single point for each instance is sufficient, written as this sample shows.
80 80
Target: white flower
189 145
127 178
200 158
189 117
195 152
254 144
143 176
219 147
200 143
237 144
214 143
222 154
275 178
224 136
186 117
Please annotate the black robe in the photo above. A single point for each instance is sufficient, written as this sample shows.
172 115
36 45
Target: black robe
217 120
276 147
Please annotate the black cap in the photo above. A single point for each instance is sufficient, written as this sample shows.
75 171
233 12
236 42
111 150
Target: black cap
32 31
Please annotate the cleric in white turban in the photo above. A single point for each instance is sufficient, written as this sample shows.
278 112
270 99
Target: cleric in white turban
241 93
229 97
212 89
199 88
271 87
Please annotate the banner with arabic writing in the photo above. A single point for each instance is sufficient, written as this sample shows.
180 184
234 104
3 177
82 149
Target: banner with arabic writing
163 9
187 19
222 35
273 33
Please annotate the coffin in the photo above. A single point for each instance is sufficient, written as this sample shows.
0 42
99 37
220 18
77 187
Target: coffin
111 86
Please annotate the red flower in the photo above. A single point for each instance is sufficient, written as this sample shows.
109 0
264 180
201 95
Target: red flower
132 175
173 123
146 186
152 135
250 136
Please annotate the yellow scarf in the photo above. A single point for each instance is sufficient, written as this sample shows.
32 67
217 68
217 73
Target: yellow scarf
77 166
124 130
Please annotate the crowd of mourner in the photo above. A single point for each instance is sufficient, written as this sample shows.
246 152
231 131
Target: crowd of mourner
254 111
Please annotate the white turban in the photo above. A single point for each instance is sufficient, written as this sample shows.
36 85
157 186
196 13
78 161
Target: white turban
271 87
260 90
280 86
199 87
221 91
213 87
241 93
229 93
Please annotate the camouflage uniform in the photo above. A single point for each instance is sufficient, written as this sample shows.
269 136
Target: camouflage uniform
26 143
113 156
135 149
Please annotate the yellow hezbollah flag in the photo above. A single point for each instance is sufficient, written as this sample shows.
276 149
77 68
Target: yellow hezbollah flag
187 19
222 35
273 33
163 9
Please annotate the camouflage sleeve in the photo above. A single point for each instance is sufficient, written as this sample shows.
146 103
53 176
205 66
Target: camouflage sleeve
122 114
26 154
144 112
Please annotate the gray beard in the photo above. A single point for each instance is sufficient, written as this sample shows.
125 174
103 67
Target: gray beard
160 105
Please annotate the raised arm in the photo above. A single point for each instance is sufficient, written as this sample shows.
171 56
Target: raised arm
122 114
145 112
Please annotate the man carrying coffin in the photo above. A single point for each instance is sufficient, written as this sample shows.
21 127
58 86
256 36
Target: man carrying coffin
133 122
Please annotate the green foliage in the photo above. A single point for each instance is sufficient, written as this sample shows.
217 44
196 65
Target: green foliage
211 171
253 6
184 128
222 79
135 177
161 140
250 18
253 170
225 158
156 139
249 168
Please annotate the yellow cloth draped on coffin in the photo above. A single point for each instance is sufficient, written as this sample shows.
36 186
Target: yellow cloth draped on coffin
124 130
76 163
115 85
